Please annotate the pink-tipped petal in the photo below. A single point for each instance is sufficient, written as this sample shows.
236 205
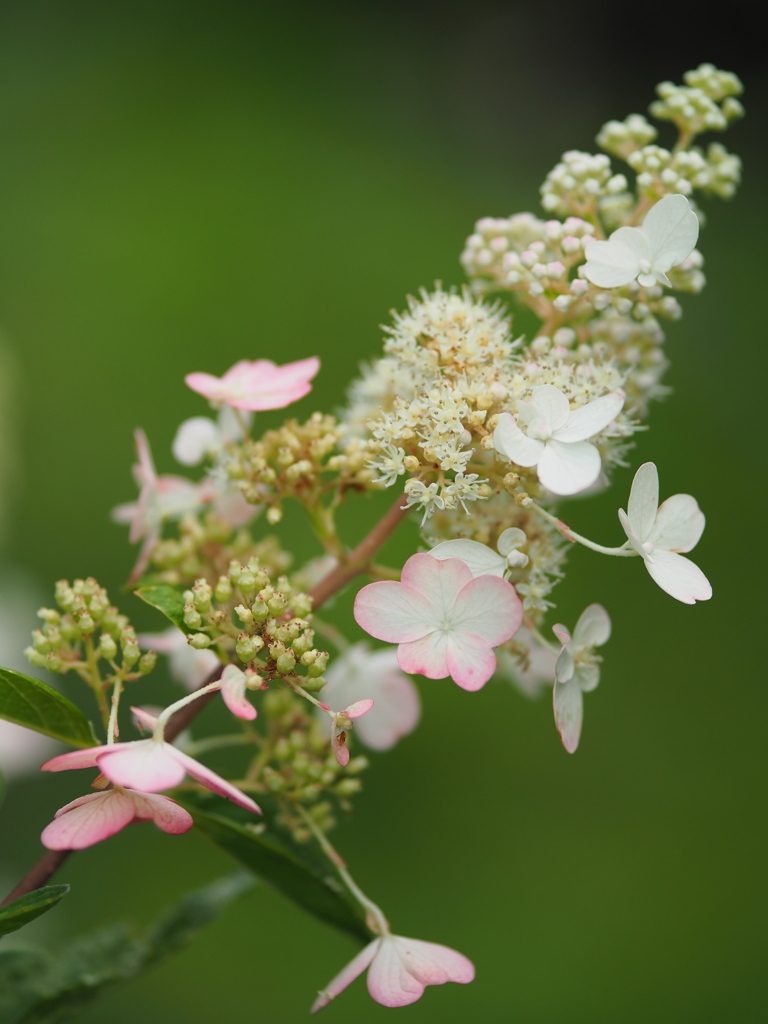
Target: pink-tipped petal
359 708
569 713
394 612
149 721
346 976
643 501
146 765
339 746
438 581
207 385
233 692
74 759
470 660
161 810
569 468
562 634
425 657
88 820
488 607
678 576
212 781
402 968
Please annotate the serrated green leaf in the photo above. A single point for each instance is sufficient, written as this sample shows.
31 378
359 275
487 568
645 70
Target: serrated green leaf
35 705
37 987
167 600
298 870
25 909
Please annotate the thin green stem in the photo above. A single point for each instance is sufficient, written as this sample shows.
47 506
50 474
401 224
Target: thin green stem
179 704
95 680
624 551
112 729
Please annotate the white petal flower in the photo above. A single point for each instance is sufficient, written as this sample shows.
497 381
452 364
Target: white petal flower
201 436
666 239
483 560
659 533
555 437
576 671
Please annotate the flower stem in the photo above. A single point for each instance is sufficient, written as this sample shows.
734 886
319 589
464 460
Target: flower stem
179 704
624 551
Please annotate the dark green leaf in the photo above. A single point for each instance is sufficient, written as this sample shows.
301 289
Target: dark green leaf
167 600
37 706
27 908
298 870
37 987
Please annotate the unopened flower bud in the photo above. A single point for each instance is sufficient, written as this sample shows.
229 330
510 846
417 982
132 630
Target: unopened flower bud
247 647
277 604
202 595
286 663
35 657
49 615
274 515
200 641
259 611
244 614
319 665
357 765
85 623
192 617
313 685
348 787
223 590
147 662
108 647
131 654
53 662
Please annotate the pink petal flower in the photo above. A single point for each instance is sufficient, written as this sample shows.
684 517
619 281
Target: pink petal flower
257 385
148 766
400 970
90 819
445 621
233 691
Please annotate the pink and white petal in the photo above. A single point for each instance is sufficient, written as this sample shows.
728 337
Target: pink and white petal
612 264
569 468
163 811
146 765
644 501
565 665
438 581
562 634
389 980
569 713
471 661
212 781
481 560
433 964
339 746
552 407
396 713
488 607
358 709
210 387
678 576
672 229
426 656
164 643
590 419
593 627
393 612
144 718
233 692
346 976
88 820
74 759
679 524
515 446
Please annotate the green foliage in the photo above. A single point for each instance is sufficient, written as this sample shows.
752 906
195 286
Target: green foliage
167 600
25 909
299 871
37 706
38 987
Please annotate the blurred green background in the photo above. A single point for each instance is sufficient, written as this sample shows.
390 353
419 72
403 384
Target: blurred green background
186 184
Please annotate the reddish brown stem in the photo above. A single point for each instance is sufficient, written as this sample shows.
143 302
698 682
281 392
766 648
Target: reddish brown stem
356 562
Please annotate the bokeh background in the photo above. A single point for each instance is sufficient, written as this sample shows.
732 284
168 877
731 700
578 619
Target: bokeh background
184 184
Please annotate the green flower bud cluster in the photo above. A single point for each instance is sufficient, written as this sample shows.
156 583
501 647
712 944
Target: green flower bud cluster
300 460
205 546
302 770
84 629
706 103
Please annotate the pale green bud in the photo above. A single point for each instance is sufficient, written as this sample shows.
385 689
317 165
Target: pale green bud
40 641
282 749
200 641
319 665
313 685
357 765
246 582
85 623
53 662
202 595
35 657
247 647
301 604
260 611
223 590
286 663
147 662
192 617
131 654
49 615
107 647
278 604
244 614
311 792
348 787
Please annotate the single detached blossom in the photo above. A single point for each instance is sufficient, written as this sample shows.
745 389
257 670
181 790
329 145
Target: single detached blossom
160 498
659 533
396 707
555 437
148 766
95 817
483 560
188 666
340 723
399 970
667 237
257 385
577 671
446 621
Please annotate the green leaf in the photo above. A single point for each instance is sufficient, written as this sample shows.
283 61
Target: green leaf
37 706
167 600
25 909
39 987
300 871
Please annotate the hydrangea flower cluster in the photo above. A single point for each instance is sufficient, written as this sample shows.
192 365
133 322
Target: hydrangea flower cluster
478 433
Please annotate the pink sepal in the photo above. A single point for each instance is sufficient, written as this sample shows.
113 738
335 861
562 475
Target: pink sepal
93 818
358 709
